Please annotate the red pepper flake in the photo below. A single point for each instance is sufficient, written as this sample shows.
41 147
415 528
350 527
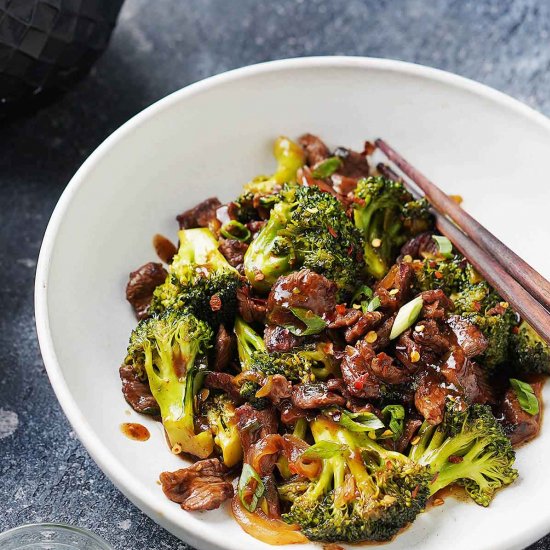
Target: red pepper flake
341 309
215 303
477 306
434 478
515 330
438 275
454 459
358 384
332 231
350 250
432 264
259 276
414 492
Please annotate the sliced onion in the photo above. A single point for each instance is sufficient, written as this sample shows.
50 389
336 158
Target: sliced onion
269 530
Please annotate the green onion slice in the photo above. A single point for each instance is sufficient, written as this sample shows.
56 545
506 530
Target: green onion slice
248 474
360 422
373 305
326 168
235 230
526 396
445 246
406 316
396 414
314 323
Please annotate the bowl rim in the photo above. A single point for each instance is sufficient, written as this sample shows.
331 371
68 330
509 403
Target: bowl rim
105 459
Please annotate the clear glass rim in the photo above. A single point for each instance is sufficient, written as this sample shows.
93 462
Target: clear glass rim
56 526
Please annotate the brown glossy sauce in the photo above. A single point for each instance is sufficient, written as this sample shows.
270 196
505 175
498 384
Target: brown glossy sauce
135 431
164 247
451 491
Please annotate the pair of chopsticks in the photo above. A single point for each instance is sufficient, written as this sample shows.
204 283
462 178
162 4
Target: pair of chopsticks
526 290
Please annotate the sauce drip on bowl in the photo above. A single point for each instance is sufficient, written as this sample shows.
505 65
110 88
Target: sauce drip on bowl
135 431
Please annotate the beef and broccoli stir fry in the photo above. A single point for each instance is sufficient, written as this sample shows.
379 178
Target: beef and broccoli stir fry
317 339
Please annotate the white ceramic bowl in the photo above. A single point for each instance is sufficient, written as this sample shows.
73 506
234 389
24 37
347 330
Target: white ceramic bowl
208 139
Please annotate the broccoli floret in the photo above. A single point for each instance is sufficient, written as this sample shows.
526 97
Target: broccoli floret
200 280
449 275
387 216
168 348
530 353
307 228
220 413
469 448
363 493
481 305
289 156
248 391
304 364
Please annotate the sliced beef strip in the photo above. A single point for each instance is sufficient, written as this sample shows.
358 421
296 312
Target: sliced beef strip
347 318
223 381
254 425
394 289
290 414
419 245
364 324
315 396
202 215
233 251
459 371
521 426
201 486
314 148
432 336
360 382
384 368
223 349
430 397
280 339
141 285
468 336
436 304
404 353
137 392
301 289
251 308
383 333
354 164
276 388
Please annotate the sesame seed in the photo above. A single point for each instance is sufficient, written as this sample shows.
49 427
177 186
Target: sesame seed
356 306
387 433
376 243
372 435
415 356
439 502
176 449
419 328
407 258
504 305
394 291
371 337
415 440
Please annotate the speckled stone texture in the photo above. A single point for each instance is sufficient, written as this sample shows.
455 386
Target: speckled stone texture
158 47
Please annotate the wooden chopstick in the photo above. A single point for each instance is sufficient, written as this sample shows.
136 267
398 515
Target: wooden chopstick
518 268
488 267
